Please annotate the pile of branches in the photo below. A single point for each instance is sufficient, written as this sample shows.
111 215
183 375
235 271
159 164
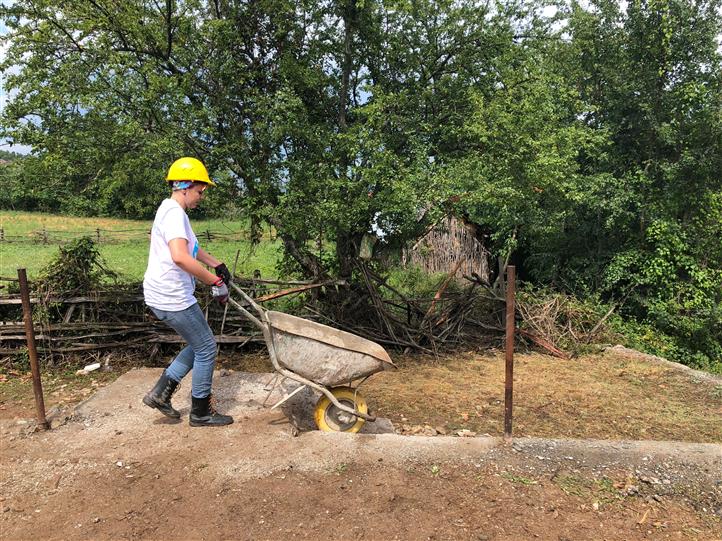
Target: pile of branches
559 324
80 326
80 310
100 320
462 311
77 313
453 316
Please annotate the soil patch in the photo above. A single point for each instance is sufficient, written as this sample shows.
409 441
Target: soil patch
619 394
119 470
115 469
605 396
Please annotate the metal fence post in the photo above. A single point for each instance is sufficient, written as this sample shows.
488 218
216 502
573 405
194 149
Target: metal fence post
509 351
32 350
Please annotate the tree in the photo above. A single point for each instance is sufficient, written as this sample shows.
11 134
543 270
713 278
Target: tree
293 99
651 79
587 142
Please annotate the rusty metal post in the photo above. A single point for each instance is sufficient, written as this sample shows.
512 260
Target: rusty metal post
32 350
509 351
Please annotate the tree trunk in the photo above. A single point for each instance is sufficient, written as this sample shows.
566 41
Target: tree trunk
349 23
311 265
345 245
346 252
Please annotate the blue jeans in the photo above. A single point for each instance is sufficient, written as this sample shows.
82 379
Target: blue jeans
199 354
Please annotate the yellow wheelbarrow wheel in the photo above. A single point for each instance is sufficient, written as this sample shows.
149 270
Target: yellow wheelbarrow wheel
331 419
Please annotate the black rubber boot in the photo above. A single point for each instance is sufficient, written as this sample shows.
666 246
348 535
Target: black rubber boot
204 414
159 396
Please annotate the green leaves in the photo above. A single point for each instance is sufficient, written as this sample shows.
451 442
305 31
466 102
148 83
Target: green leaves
587 144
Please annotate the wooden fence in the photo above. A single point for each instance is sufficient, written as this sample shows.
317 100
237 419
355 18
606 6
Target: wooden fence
108 236
119 319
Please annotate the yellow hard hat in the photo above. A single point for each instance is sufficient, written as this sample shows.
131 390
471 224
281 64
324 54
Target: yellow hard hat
189 169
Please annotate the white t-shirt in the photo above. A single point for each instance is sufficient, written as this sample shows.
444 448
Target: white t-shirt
166 286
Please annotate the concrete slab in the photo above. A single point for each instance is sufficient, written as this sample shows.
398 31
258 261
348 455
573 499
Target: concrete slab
237 393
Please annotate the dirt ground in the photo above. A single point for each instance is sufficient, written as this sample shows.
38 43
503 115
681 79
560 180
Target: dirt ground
118 470
617 394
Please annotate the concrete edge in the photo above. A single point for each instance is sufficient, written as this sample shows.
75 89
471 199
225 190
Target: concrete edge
633 451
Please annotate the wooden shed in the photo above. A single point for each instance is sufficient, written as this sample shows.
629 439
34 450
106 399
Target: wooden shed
446 243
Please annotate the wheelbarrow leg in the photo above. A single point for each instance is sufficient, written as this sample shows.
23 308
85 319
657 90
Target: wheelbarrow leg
270 390
296 390
273 379
295 429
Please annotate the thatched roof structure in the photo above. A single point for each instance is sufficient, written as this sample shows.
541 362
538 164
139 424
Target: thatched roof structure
448 241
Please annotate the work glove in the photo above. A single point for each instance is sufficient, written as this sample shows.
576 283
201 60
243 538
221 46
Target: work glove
219 290
223 272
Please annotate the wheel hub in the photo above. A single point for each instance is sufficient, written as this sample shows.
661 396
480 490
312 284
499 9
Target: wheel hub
341 419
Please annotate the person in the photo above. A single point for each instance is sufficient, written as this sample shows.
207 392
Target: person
174 264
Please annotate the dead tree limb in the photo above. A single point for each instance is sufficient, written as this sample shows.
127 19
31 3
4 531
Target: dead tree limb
551 348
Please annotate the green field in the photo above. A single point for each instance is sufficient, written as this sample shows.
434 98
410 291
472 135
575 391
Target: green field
31 240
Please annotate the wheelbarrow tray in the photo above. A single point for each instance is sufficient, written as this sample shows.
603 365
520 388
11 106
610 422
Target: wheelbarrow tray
322 354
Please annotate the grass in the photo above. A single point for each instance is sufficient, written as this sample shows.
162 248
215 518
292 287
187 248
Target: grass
575 485
124 243
518 479
600 396
601 492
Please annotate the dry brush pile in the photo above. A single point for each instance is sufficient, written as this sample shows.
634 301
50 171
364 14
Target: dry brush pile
460 312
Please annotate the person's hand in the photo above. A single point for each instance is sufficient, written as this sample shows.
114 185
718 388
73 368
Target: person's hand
223 272
219 290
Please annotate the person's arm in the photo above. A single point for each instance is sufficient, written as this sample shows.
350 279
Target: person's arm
208 259
220 268
181 257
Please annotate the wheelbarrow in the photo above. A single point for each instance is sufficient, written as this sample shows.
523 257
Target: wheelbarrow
329 360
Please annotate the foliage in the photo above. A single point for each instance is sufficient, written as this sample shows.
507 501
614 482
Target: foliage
587 141
415 283
78 268
18 362
10 156
651 78
646 337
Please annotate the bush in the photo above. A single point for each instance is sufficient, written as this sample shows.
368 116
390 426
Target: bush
648 338
78 268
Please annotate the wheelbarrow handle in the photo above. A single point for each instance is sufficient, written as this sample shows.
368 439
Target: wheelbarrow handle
258 308
246 313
